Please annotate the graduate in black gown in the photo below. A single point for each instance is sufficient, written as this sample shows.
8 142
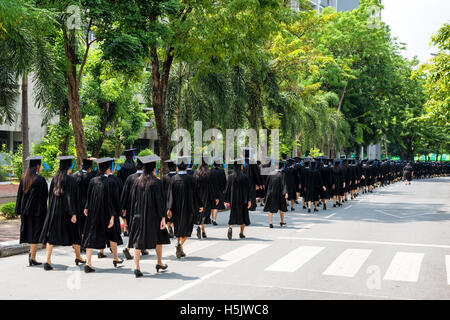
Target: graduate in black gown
60 226
31 206
127 201
183 202
276 195
148 228
83 177
408 173
127 169
101 211
237 197
166 182
218 177
118 185
327 180
338 183
291 181
251 170
209 195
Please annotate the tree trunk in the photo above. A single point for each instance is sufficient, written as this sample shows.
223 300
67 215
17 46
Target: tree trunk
159 85
74 99
25 128
117 151
64 120
342 98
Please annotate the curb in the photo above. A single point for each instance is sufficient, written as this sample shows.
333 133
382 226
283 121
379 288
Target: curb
11 248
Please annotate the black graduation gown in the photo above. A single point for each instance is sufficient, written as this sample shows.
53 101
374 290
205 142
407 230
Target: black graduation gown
208 194
166 182
276 189
327 180
125 172
220 179
118 185
32 208
291 182
150 208
407 173
58 228
336 187
252 172
184 201
237 193
102 195
82 178
127 195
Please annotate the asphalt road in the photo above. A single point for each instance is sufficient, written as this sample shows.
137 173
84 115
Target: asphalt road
391 244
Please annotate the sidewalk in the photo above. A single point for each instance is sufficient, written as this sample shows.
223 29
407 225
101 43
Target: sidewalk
10 229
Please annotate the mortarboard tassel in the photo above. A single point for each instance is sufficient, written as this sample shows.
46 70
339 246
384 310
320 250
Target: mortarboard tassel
46 167
157 168
118 166
73 165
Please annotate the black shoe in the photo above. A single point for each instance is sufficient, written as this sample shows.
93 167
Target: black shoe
316 210
324 206
178 252
125 233
334 205
241 235
271 226
32 262
282 224
309 210
171 235
292 209
78 261
261 204
88 269
101 255
204 235
162 267
182 253
296 201
304 207
144 252
214 222
230 233
47 267
127 254
199 233
116 262
138 273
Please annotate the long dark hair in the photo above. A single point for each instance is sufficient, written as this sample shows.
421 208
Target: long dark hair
29 178
129 163
147 176
202 172
58 181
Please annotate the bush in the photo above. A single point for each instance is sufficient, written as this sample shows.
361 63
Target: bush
9 210
4 173
145 152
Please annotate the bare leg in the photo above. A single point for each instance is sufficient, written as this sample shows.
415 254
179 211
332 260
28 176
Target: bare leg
49 249
202 227
137 259
282 216
76 247
158 250
114 249
242 228
214 214
270 218
33 250
89 257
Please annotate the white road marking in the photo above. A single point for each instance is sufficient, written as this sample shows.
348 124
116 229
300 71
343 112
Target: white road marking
295 259
402 217
404 267
188 286
370 242
331 215
235 256
348 207
447 265
348 263
305 227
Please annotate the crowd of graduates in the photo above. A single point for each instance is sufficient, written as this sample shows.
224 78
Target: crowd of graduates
86 209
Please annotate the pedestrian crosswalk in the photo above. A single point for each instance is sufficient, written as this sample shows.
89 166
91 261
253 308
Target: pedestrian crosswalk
343 262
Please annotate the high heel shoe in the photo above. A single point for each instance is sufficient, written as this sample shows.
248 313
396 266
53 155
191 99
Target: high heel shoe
32 262
282 224
199 234
47 267
178 251
88 269
204 235
230 233
241 236
271 226
138 273
161 267
78 261
116 262
101 255
127 254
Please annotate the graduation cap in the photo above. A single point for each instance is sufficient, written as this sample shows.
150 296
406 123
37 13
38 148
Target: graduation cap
179 160
206 159
87 163
129 152
149 161
104 163
34 160
66 162
248 152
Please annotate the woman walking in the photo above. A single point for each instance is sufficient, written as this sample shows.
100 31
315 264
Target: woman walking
60 226
31 206
148 229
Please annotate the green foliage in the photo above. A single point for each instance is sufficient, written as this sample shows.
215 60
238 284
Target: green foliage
8 210
145 152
